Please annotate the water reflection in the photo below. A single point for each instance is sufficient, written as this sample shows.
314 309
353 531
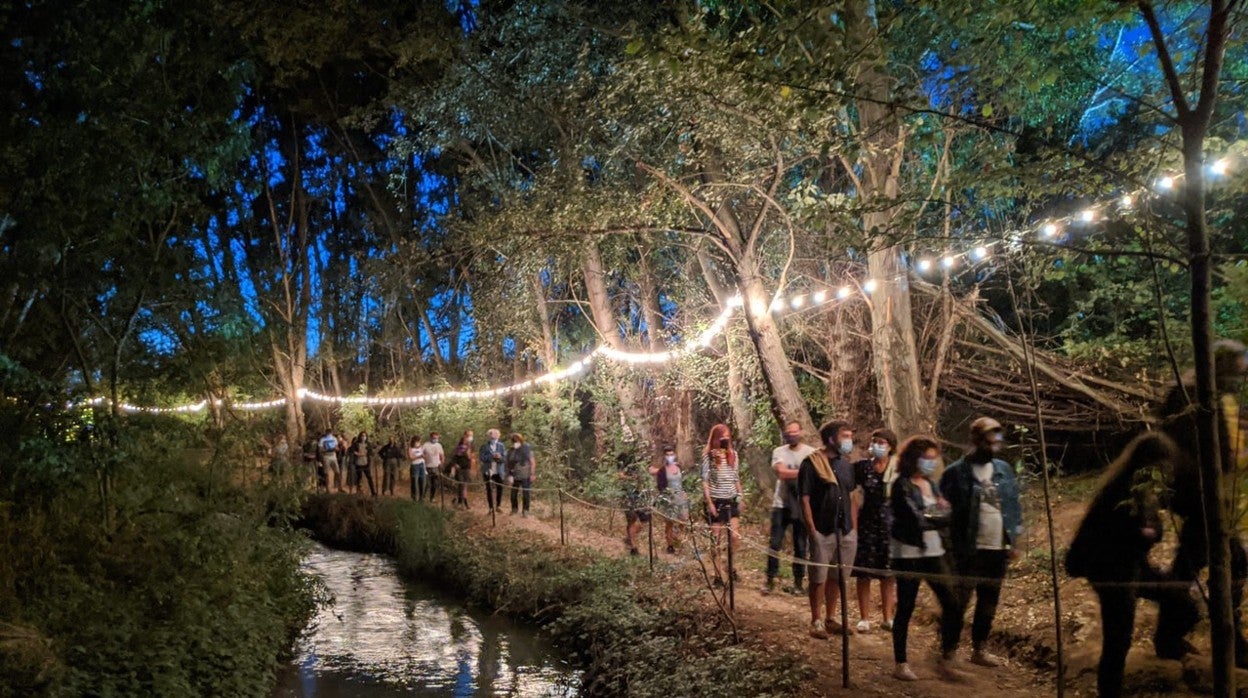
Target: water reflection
384 638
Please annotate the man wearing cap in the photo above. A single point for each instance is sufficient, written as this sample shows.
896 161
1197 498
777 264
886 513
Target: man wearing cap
986 525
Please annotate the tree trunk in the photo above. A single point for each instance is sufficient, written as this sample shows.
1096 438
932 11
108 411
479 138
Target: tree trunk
603 318
895 359
787 404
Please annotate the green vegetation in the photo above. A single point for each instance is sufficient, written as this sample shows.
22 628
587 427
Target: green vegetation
177 582
638 634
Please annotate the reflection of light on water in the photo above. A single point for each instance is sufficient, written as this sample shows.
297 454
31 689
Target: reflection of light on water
378 637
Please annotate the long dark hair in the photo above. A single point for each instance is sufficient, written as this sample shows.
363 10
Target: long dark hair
911 451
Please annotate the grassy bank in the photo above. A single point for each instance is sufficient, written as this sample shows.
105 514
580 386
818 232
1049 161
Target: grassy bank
173 581
638 634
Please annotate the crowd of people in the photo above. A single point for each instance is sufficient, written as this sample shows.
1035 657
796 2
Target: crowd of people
884 513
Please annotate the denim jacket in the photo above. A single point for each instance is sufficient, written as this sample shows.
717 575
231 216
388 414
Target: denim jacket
958 486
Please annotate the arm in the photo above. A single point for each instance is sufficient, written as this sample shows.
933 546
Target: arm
532 467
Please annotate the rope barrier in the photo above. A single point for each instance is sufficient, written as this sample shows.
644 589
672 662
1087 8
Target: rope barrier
696 527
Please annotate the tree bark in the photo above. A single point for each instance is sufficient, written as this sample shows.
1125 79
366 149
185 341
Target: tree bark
604 320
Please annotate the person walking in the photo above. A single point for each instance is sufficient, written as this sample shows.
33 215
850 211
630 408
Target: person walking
1178 613
1111 546
390 455
985 529
786 510
721 492
461 468
874 524
825 480
493 469
416 463
435 456
329 460
673 500
919 513
362 455
521 468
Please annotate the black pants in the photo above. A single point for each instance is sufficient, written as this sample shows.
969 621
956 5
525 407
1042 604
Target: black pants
908 594
984 571
435 477
780 520
390 476
1118 600
365 472
494 491
1178 612
517 485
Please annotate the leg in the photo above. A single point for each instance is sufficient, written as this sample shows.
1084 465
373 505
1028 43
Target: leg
776 542
990 570
800 539
864 597
1177 613
1117 625
515 497
907 595
528 493
412 471
489 493
367 473
950 600
888 598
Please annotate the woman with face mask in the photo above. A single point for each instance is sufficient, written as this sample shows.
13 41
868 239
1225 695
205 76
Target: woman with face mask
874 521
919 513
673 501
721 488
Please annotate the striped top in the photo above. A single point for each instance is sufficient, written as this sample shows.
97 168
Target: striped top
723 480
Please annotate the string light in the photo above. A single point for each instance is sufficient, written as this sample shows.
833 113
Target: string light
1049 229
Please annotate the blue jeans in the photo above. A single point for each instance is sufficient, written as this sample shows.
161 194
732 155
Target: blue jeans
780 520
418 480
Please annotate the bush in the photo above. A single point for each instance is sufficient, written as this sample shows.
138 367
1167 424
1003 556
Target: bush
165 578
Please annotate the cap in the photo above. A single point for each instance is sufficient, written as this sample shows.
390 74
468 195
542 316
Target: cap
984 425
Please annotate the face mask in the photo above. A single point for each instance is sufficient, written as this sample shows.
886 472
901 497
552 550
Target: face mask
515 444
792 439
879 450
723 443
669 459
927 466
847 446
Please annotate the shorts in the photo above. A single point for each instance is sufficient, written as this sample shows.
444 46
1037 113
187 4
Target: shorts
633 515
330 463
725 510
823 553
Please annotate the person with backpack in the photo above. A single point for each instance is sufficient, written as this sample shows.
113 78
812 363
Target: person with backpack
1111 546
329 460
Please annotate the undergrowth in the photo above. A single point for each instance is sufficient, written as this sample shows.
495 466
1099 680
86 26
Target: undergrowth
638 634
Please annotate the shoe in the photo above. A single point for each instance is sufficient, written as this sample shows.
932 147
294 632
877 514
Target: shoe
769 587
818 630
982 658
864 626
835 628
904 673
718 583
949 670
524 514
671 550
797 589
633 552
887 625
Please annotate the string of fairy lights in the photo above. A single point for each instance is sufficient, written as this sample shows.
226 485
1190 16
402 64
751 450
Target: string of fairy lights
1047 230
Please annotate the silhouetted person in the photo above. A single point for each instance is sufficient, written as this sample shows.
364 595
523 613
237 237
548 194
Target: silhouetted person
1179 613
1111 546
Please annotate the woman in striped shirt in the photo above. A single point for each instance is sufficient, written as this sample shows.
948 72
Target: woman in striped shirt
721 487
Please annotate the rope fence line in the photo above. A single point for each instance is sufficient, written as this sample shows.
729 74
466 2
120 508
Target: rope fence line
696 527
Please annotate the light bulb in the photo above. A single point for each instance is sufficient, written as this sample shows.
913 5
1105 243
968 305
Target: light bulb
1050 230
1127 201
925 264
819 297
979 253
1165 183
797 302
1220 167
1087 216
869 286
947 262
843 292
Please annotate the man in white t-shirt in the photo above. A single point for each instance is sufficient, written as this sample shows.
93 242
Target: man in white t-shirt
786 461
434 456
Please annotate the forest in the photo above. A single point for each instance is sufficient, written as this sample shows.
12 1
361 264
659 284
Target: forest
606 226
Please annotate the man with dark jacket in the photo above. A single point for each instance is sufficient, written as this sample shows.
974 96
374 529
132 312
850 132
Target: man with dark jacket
986 525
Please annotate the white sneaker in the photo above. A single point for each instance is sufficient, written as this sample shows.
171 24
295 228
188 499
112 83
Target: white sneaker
864 626
982 658
818 631
904 673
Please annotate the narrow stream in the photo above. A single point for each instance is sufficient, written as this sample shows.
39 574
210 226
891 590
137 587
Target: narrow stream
385 637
